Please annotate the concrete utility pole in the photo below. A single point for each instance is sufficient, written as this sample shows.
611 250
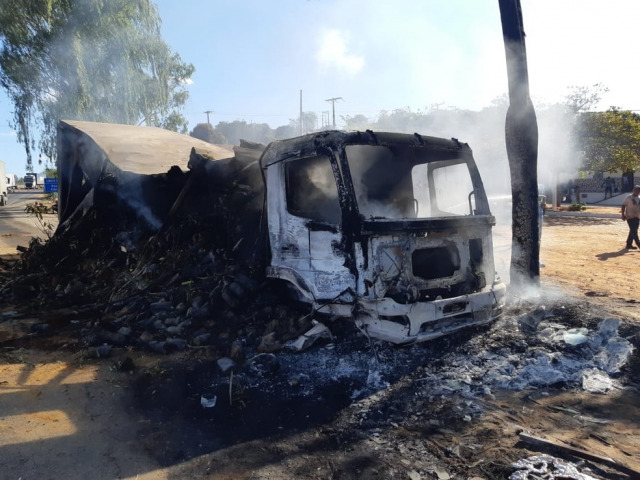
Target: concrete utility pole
208 112
300 112
333 107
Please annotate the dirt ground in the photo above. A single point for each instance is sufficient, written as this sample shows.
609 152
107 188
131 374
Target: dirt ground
140 415
587 256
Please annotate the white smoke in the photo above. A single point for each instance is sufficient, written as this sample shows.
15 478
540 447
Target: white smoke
333 54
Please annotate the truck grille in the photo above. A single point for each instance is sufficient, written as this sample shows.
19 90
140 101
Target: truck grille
433 263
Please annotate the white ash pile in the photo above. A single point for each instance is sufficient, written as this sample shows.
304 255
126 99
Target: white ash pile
547 467
552 354
476 364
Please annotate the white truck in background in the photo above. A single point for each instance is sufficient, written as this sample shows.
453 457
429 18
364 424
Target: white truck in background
30 181
3 185
11 182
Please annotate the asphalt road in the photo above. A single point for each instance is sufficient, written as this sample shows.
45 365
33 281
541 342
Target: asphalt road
18 227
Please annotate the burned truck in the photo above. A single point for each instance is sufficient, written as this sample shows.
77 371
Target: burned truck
391 230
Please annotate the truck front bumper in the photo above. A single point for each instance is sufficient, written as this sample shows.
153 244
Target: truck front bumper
398 323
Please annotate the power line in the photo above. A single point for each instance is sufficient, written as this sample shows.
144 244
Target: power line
208 112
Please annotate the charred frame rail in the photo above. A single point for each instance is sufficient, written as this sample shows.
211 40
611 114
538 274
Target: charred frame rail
521 133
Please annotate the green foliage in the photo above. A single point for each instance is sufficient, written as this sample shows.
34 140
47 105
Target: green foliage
239 129
610 140
174 121
39 210
577 207
90 60
206 132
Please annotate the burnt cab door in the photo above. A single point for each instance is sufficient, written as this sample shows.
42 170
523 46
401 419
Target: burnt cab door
304 210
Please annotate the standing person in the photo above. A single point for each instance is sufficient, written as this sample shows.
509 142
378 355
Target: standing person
630 211
608 185
570 191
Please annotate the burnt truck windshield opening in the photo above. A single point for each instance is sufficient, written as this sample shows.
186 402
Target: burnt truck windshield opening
311 189
444 189
409 183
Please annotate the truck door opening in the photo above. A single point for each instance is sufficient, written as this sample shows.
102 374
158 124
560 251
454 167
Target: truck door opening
311 190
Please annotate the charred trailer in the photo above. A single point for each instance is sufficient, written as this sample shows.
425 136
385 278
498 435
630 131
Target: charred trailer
393 230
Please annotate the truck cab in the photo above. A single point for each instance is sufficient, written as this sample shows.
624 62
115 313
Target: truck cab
11 182
393 230
30 181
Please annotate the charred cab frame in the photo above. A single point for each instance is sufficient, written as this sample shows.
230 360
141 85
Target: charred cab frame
391 229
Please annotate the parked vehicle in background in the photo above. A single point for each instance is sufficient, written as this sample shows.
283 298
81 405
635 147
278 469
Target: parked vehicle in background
3 185
11 182
30 181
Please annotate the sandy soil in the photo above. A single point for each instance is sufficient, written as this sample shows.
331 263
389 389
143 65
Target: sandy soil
587 257
18 227
63 415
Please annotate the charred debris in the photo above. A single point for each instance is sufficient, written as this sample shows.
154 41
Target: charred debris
166 242
158 261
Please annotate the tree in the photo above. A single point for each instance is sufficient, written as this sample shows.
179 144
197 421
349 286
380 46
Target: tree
286 131
206 132
610 140
309 123
399 120
239 129
356 122
87 60
583 98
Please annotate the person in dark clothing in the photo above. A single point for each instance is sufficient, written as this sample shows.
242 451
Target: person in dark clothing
608 184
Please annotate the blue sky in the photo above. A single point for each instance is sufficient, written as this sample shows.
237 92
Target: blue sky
253 57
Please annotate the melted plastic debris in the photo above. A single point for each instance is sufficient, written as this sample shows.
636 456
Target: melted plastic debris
208 402
576 336
547 467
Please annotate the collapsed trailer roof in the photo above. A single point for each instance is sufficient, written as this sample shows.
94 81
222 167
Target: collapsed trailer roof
90 151
135 149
